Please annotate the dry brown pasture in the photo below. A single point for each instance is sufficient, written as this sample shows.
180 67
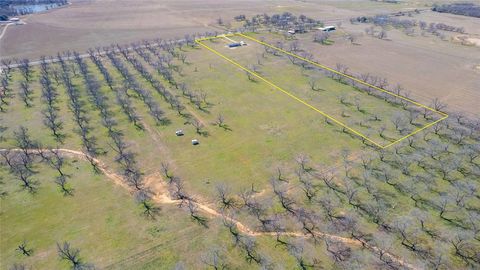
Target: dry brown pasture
427 66
90 23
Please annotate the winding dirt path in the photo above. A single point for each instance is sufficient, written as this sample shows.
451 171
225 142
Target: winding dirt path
116 178
161 195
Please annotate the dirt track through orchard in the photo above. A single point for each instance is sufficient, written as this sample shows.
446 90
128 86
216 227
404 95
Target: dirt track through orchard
160 192
5 30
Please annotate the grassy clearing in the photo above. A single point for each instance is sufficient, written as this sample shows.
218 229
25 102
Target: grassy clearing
373 117
267 129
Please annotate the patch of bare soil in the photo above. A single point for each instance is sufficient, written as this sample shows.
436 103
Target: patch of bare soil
467 40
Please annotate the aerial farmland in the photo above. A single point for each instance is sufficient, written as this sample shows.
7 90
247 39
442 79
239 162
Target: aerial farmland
239 134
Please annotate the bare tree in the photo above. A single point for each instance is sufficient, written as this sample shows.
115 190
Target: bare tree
438 105
321 37
352 38
72 255
183 57
338 250
287 203
166 170
464 249
302 161
297 251
149 209
250 247
220 120
226 201
294 46
26 93
195 215
197 125
313 84
24 175
309 189
215 258
61 181
358 104
24 249
250 76
409 233
232 228
398 121
382 34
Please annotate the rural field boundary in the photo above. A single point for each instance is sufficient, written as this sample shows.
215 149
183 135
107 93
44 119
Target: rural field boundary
444 115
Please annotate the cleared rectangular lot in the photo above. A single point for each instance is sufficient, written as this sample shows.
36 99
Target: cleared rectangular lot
357 111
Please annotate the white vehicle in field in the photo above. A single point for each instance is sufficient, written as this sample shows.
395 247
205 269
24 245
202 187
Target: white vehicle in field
329 28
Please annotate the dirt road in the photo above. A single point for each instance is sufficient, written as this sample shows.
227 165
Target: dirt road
5 30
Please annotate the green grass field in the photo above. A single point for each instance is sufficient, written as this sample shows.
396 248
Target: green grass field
264 132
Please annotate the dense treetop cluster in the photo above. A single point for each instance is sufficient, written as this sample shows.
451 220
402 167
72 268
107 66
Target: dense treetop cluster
466 9
282 21
11 7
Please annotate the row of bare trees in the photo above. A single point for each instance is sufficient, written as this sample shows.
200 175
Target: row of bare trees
5 89
131 171
131 83
165 67
171 99
26 91
120 92
50 97
77 107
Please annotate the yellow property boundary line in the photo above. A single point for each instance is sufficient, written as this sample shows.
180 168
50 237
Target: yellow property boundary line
199 41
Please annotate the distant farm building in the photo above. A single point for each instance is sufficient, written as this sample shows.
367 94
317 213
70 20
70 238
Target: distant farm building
329 28
297 30
237 44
